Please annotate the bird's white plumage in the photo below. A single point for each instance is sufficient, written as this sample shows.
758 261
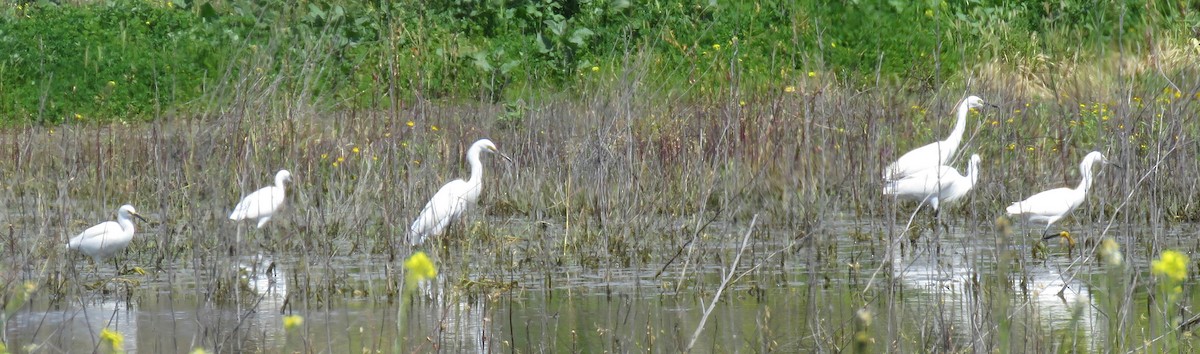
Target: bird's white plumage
263 203
453 199
935 185
107 238
934 154
1049 206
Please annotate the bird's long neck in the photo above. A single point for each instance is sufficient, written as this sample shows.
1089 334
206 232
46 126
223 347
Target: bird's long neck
960 127
279 181
125 222
476 166
973 173
1085 169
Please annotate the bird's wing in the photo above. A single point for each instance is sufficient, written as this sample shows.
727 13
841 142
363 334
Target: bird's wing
261 202
1056 201
925 157
445 205
97 231
924 182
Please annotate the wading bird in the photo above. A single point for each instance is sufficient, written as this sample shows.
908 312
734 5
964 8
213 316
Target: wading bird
107 238
1050 206
935 185
453 199
263 203
937 153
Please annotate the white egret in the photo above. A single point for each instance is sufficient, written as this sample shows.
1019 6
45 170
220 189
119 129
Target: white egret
453 199
107 238
263 203
935 185
1049 206
937 153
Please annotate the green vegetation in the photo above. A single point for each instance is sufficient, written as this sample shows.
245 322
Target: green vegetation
136 59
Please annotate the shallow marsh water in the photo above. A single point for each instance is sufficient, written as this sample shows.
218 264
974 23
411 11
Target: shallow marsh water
948 292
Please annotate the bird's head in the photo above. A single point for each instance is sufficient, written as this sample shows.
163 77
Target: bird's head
489 146
283 176
127 211
975 102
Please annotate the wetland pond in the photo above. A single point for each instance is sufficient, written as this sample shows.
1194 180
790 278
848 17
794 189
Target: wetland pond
966 288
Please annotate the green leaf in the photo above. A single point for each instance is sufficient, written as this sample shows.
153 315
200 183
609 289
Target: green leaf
581 34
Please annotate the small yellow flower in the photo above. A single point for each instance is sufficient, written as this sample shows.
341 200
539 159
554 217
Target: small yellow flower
418 267
324 156
717 46
78 116
1031 149
335 164
1171 264
292 321
833 44
789 89
340 159
433 128
1110 252
742 103
1016 111
112 83
812 74
199 351
410 124
595 68
115 339
403 144
354 150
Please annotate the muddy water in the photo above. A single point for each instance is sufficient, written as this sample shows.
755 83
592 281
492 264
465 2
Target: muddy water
968 288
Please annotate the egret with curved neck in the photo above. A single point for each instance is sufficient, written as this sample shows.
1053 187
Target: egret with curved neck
263 203
107 238
1050 206
937 153
454 198
935 185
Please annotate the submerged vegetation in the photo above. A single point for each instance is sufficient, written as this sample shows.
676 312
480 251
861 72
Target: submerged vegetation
646 138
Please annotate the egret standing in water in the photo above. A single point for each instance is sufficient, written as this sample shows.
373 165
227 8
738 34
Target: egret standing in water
263 203
936 153
1050 206
935 185
107 238
454 198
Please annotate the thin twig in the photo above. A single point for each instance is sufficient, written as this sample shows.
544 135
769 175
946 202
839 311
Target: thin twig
724 283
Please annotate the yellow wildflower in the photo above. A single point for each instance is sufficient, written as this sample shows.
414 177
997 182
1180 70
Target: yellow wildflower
115 339
1171 264
78 116
199 351
433 128
812 74
410 124
595 68
418 267
1110 252
789 89
354 150
292 321
324 156
716 46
